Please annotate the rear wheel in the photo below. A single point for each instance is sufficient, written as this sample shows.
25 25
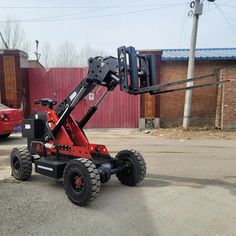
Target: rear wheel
134 167
21 163
81 181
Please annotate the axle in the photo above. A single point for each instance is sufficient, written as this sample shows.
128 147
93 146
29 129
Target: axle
108 169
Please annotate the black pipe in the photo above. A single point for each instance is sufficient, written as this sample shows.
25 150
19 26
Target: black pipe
116 170
53 137
87 116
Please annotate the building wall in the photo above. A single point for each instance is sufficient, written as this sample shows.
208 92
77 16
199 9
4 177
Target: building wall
121 110
13 79
150 106
227 100
203 100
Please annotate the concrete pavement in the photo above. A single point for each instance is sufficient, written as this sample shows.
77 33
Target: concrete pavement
190 189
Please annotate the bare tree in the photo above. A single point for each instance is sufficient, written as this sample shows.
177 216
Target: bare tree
14 35
66 55
47 55
87 52
26 46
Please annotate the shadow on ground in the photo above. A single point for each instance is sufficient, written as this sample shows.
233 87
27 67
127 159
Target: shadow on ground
118 210
13 138
153 180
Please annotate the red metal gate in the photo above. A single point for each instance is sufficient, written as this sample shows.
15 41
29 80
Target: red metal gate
118 110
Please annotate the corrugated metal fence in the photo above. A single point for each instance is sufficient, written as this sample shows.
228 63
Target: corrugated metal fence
118 110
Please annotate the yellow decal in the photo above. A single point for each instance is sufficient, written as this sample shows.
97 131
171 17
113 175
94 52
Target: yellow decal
122 56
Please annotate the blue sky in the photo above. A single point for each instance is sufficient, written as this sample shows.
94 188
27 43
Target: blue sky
106 25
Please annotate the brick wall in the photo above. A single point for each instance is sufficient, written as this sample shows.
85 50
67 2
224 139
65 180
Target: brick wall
227 100
204 100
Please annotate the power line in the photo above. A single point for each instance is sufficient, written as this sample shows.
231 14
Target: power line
47 7
183 22
225 3
230 6
76 13
82 7
47 19
226 17
73 7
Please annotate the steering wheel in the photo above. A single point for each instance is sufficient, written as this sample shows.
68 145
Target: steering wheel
46 102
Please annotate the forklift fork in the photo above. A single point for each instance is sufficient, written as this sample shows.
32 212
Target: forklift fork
138 74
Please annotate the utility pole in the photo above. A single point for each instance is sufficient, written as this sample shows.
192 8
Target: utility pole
6 46
197 11
37 54
197 6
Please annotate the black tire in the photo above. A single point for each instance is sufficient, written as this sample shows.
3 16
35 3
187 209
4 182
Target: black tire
4 136
21 163
81 181
135 167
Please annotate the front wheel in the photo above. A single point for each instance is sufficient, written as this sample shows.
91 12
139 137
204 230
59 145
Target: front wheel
21 163
134 167
81 181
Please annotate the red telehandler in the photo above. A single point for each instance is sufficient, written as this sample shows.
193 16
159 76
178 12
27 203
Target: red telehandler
59 148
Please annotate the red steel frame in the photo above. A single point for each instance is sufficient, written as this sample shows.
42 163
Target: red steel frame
79 146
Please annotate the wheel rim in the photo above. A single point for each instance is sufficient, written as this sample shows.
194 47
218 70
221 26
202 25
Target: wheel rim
128 166
16 165
77 182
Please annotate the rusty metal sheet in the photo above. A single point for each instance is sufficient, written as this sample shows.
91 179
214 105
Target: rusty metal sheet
118 110
149 106
10 78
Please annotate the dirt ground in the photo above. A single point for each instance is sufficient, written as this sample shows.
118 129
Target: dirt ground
193 133
190 189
